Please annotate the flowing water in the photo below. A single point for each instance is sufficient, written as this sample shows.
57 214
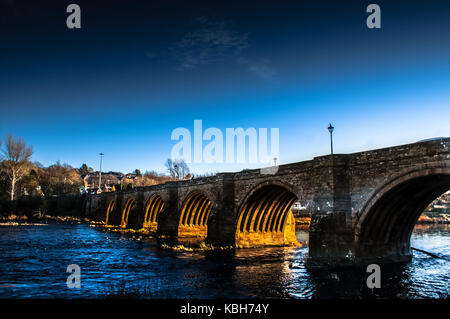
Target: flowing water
34 260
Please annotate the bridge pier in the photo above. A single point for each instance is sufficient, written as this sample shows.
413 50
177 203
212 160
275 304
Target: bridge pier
330 242
222 224
136 217
115 215
168 218
331 233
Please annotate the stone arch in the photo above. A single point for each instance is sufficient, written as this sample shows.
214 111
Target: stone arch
194 215
265 217
388 218
130 205
109 209
153 208
257 187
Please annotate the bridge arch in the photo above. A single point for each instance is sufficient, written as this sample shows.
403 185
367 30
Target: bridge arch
109 210
194 215
130 206
153 208
387 220
265 217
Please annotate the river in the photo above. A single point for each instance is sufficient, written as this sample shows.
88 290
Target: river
34 259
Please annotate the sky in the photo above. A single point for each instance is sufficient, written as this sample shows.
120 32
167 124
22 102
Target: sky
136 71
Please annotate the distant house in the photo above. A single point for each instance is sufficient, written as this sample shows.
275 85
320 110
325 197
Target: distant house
298 206
440 204
299 211
109 179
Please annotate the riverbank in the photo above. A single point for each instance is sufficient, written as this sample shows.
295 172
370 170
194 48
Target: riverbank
429 218
433 218
16 220
39 209
302 223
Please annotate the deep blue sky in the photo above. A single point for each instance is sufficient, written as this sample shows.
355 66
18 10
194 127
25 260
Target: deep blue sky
135 72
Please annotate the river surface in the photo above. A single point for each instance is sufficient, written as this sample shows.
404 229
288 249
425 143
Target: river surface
34 260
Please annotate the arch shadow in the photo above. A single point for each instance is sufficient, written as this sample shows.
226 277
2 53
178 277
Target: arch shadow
153 209
129 209
109 210
265 217
195 212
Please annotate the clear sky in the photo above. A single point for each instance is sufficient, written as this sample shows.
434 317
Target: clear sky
134 72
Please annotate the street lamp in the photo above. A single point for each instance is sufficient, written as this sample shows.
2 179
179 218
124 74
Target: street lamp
175 166
100 178
331 129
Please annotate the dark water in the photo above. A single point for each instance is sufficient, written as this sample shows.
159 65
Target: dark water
33 262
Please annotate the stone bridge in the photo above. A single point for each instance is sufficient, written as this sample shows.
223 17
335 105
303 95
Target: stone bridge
363 205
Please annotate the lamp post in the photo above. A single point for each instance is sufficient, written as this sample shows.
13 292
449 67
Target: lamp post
331 129
100 177
177 175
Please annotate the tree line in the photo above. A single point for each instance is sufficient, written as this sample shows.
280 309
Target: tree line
20 176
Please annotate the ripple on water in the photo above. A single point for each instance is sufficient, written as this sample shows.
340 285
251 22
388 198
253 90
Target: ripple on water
34 259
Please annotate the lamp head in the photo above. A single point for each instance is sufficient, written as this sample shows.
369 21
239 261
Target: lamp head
330 128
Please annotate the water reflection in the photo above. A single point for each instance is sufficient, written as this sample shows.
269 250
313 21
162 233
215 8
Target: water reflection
34 260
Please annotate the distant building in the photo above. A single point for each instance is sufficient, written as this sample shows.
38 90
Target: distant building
440 204
300 211
109 179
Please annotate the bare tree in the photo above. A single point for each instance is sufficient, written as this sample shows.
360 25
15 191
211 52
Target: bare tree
178 169
16 160
183 169
169 165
